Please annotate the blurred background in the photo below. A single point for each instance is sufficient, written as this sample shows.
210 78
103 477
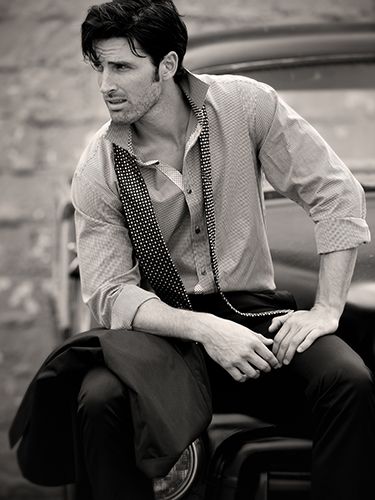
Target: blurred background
49 108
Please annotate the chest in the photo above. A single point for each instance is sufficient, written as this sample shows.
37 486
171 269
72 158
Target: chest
167 154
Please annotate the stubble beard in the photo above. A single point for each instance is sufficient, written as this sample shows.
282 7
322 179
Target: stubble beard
141 108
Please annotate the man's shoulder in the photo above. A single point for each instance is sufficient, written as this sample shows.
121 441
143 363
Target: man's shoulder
95 141
248 91
226 80
239 94
95 144
94 174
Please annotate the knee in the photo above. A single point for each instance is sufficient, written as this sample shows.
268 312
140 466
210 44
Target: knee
100 392
350 378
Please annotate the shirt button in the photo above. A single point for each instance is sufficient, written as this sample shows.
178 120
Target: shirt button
197 229
203 271
189 191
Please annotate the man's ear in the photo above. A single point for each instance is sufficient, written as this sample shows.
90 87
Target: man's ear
168 66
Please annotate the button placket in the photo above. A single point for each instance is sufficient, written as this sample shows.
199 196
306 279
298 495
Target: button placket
199 236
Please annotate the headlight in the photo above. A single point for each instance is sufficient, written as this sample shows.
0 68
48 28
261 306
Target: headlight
181 478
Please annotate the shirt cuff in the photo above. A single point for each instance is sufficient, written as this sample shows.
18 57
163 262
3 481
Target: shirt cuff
127 304
333 235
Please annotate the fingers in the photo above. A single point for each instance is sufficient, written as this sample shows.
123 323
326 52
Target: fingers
263 350
263 339
287 350
245 378
279 321
252 362
309 340
241 352
255 364
297 332
298 343
241 376
263 358
286 342
281 345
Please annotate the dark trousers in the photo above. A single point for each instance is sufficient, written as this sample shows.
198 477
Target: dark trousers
326 391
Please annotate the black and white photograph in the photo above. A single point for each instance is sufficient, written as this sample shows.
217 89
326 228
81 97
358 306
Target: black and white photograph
187 259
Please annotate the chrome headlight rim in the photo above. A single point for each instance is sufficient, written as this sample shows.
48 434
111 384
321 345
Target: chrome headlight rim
196 465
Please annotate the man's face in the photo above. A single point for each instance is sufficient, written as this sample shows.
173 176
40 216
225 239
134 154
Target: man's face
128 83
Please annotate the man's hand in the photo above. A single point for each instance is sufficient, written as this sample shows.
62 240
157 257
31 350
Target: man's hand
296 331
240 351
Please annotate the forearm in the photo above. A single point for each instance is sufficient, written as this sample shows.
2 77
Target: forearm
156 317
335 275
237 349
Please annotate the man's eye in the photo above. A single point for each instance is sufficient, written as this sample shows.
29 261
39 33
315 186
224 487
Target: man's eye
97 66
121 67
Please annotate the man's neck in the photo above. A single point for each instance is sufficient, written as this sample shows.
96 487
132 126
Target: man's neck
162 136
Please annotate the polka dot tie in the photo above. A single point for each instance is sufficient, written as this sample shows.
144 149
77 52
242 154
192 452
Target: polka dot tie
148 242
149 245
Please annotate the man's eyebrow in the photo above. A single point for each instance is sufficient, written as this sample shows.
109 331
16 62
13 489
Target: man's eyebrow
125 63
120 63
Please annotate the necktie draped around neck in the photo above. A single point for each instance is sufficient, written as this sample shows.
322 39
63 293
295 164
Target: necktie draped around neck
149 245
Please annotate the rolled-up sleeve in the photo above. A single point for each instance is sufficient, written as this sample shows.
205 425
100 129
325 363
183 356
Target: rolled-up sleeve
110 276
299 164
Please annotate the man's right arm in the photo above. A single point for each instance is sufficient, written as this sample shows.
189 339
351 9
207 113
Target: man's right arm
111 282
237 349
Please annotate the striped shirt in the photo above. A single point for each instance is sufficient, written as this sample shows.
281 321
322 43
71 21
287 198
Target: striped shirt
253 133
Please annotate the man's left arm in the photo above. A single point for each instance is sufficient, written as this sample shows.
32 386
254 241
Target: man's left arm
298 330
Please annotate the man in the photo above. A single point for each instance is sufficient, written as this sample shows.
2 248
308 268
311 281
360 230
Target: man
170 124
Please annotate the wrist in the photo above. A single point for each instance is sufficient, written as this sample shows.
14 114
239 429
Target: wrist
333 311
198 325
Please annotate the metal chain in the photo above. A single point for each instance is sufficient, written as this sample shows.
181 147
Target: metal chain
204 144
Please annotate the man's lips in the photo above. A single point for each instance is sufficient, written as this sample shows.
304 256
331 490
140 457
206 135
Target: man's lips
115 102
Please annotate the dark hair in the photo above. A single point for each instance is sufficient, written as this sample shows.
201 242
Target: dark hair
154 25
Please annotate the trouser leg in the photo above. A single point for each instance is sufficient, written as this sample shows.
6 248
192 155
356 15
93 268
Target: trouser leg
341 394
339 390
327 390
107 436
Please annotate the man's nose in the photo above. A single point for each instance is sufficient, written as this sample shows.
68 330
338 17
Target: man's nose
106 82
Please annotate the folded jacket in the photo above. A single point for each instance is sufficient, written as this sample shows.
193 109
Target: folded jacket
169 395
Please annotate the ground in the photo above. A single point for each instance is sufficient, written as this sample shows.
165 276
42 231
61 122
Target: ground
49 107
